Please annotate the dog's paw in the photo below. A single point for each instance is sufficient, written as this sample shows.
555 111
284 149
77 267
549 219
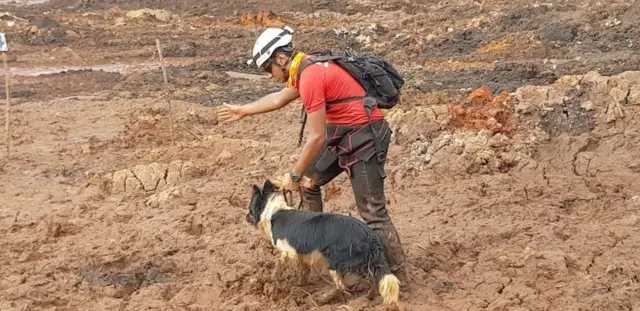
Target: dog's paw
303 276
334 295
372 293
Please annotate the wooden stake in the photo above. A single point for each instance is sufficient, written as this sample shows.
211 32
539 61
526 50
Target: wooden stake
8 109
190 132
166 89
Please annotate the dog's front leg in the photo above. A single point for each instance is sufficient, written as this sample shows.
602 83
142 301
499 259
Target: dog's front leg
281 266
303 276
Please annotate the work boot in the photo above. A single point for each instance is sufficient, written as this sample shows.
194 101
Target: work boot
395 254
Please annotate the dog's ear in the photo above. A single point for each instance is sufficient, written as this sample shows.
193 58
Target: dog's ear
256 189
268 187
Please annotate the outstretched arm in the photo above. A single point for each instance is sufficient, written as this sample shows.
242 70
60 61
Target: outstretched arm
268 103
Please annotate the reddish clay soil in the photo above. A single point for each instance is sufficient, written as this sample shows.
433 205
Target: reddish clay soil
512 173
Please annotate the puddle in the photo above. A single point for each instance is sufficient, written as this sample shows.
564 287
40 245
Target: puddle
249 76
23 2
116 68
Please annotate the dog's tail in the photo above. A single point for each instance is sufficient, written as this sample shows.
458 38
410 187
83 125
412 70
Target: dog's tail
389 288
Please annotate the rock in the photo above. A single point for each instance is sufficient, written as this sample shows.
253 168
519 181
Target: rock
530 95
125 181
189 171
16 279
620 82
614 112
262 18
224 156
551 264
120 21
158 199
174 172
196 226
524 107
619 96
45 23
588 105
633 76
212 87
132 183
151 176
160 15
481 95
86 149
72 34
118 181
569 81
146 122
560 33
188 196
596 82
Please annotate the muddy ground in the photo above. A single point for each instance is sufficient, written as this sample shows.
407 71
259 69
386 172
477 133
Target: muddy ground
512 175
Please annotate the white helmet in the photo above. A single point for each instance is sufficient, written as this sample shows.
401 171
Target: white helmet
268 41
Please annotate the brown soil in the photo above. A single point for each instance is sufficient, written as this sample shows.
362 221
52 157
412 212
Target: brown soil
512 173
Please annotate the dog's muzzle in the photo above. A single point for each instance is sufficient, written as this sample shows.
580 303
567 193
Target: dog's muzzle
249 218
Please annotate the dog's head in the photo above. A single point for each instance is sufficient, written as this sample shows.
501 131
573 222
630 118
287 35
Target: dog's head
259 201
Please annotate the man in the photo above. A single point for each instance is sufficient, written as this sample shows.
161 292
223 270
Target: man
340 136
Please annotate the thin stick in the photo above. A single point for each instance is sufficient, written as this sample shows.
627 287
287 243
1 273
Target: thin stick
8 110
190 132
166 89
15 219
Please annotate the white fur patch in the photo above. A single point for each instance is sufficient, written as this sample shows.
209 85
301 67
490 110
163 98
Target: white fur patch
275 203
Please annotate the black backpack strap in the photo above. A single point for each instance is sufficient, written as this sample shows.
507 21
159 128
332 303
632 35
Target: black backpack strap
369 105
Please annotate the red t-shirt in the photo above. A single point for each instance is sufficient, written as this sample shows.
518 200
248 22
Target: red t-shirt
325 82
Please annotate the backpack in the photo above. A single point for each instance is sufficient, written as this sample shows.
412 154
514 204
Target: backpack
377 76
380 80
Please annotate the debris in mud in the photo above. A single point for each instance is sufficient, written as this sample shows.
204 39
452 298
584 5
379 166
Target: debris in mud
18 91
463 42
560 33
119 283
483 111
464 153
183 196
572 104
370 34
149 14
570 118
42 31
262 18
187 49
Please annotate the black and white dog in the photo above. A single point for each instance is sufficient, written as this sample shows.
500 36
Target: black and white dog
345 245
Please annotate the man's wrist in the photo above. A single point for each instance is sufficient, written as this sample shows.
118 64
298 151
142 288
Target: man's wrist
243 110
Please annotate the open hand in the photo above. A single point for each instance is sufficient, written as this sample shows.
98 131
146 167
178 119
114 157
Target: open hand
228 113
